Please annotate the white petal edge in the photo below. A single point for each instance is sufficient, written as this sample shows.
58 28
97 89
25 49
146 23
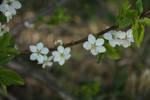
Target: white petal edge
33 48
60 49
44 51
99 41
40 46
91 39
87 45
33 57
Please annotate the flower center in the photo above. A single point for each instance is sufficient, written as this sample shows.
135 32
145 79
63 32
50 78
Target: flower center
62 55
38 52
93 46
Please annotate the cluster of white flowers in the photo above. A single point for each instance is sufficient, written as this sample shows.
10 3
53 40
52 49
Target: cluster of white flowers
115 38
119 38
94 45
8 8
42 55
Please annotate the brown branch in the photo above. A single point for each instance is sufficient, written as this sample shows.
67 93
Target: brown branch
99 33
73 43
85 39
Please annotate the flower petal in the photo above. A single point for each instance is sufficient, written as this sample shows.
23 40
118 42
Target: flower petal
67 50
40 46
55 53
56 57
120 35
112 43
87 45
16 5
99 41
94 52
108 36
67 56
91 39
60 49
126 44
40 59
62 61
101 49
33 56
33 48
44 51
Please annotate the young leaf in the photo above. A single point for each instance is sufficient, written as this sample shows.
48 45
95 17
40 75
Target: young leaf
124 22
138 33
111 52
126 5
8 77
126 16
145 21
132 15
4 89
139 6
7 49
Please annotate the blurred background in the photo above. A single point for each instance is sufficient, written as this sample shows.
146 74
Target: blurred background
81 78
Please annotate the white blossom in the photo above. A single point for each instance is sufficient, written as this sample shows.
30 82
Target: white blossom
94 45
47 61
38 52
58 43
8 8
119 38
61 54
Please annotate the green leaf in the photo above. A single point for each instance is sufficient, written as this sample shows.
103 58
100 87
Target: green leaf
4 89
8 77
3 19
139 6
145 21
7 49
100 57
126 15
112 53
126 5
132 15
124 22
138 33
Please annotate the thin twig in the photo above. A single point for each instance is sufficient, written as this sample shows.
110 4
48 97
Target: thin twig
99 33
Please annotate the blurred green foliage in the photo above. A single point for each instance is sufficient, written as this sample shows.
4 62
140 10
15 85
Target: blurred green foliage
8 52
7 49
60 16
88 91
